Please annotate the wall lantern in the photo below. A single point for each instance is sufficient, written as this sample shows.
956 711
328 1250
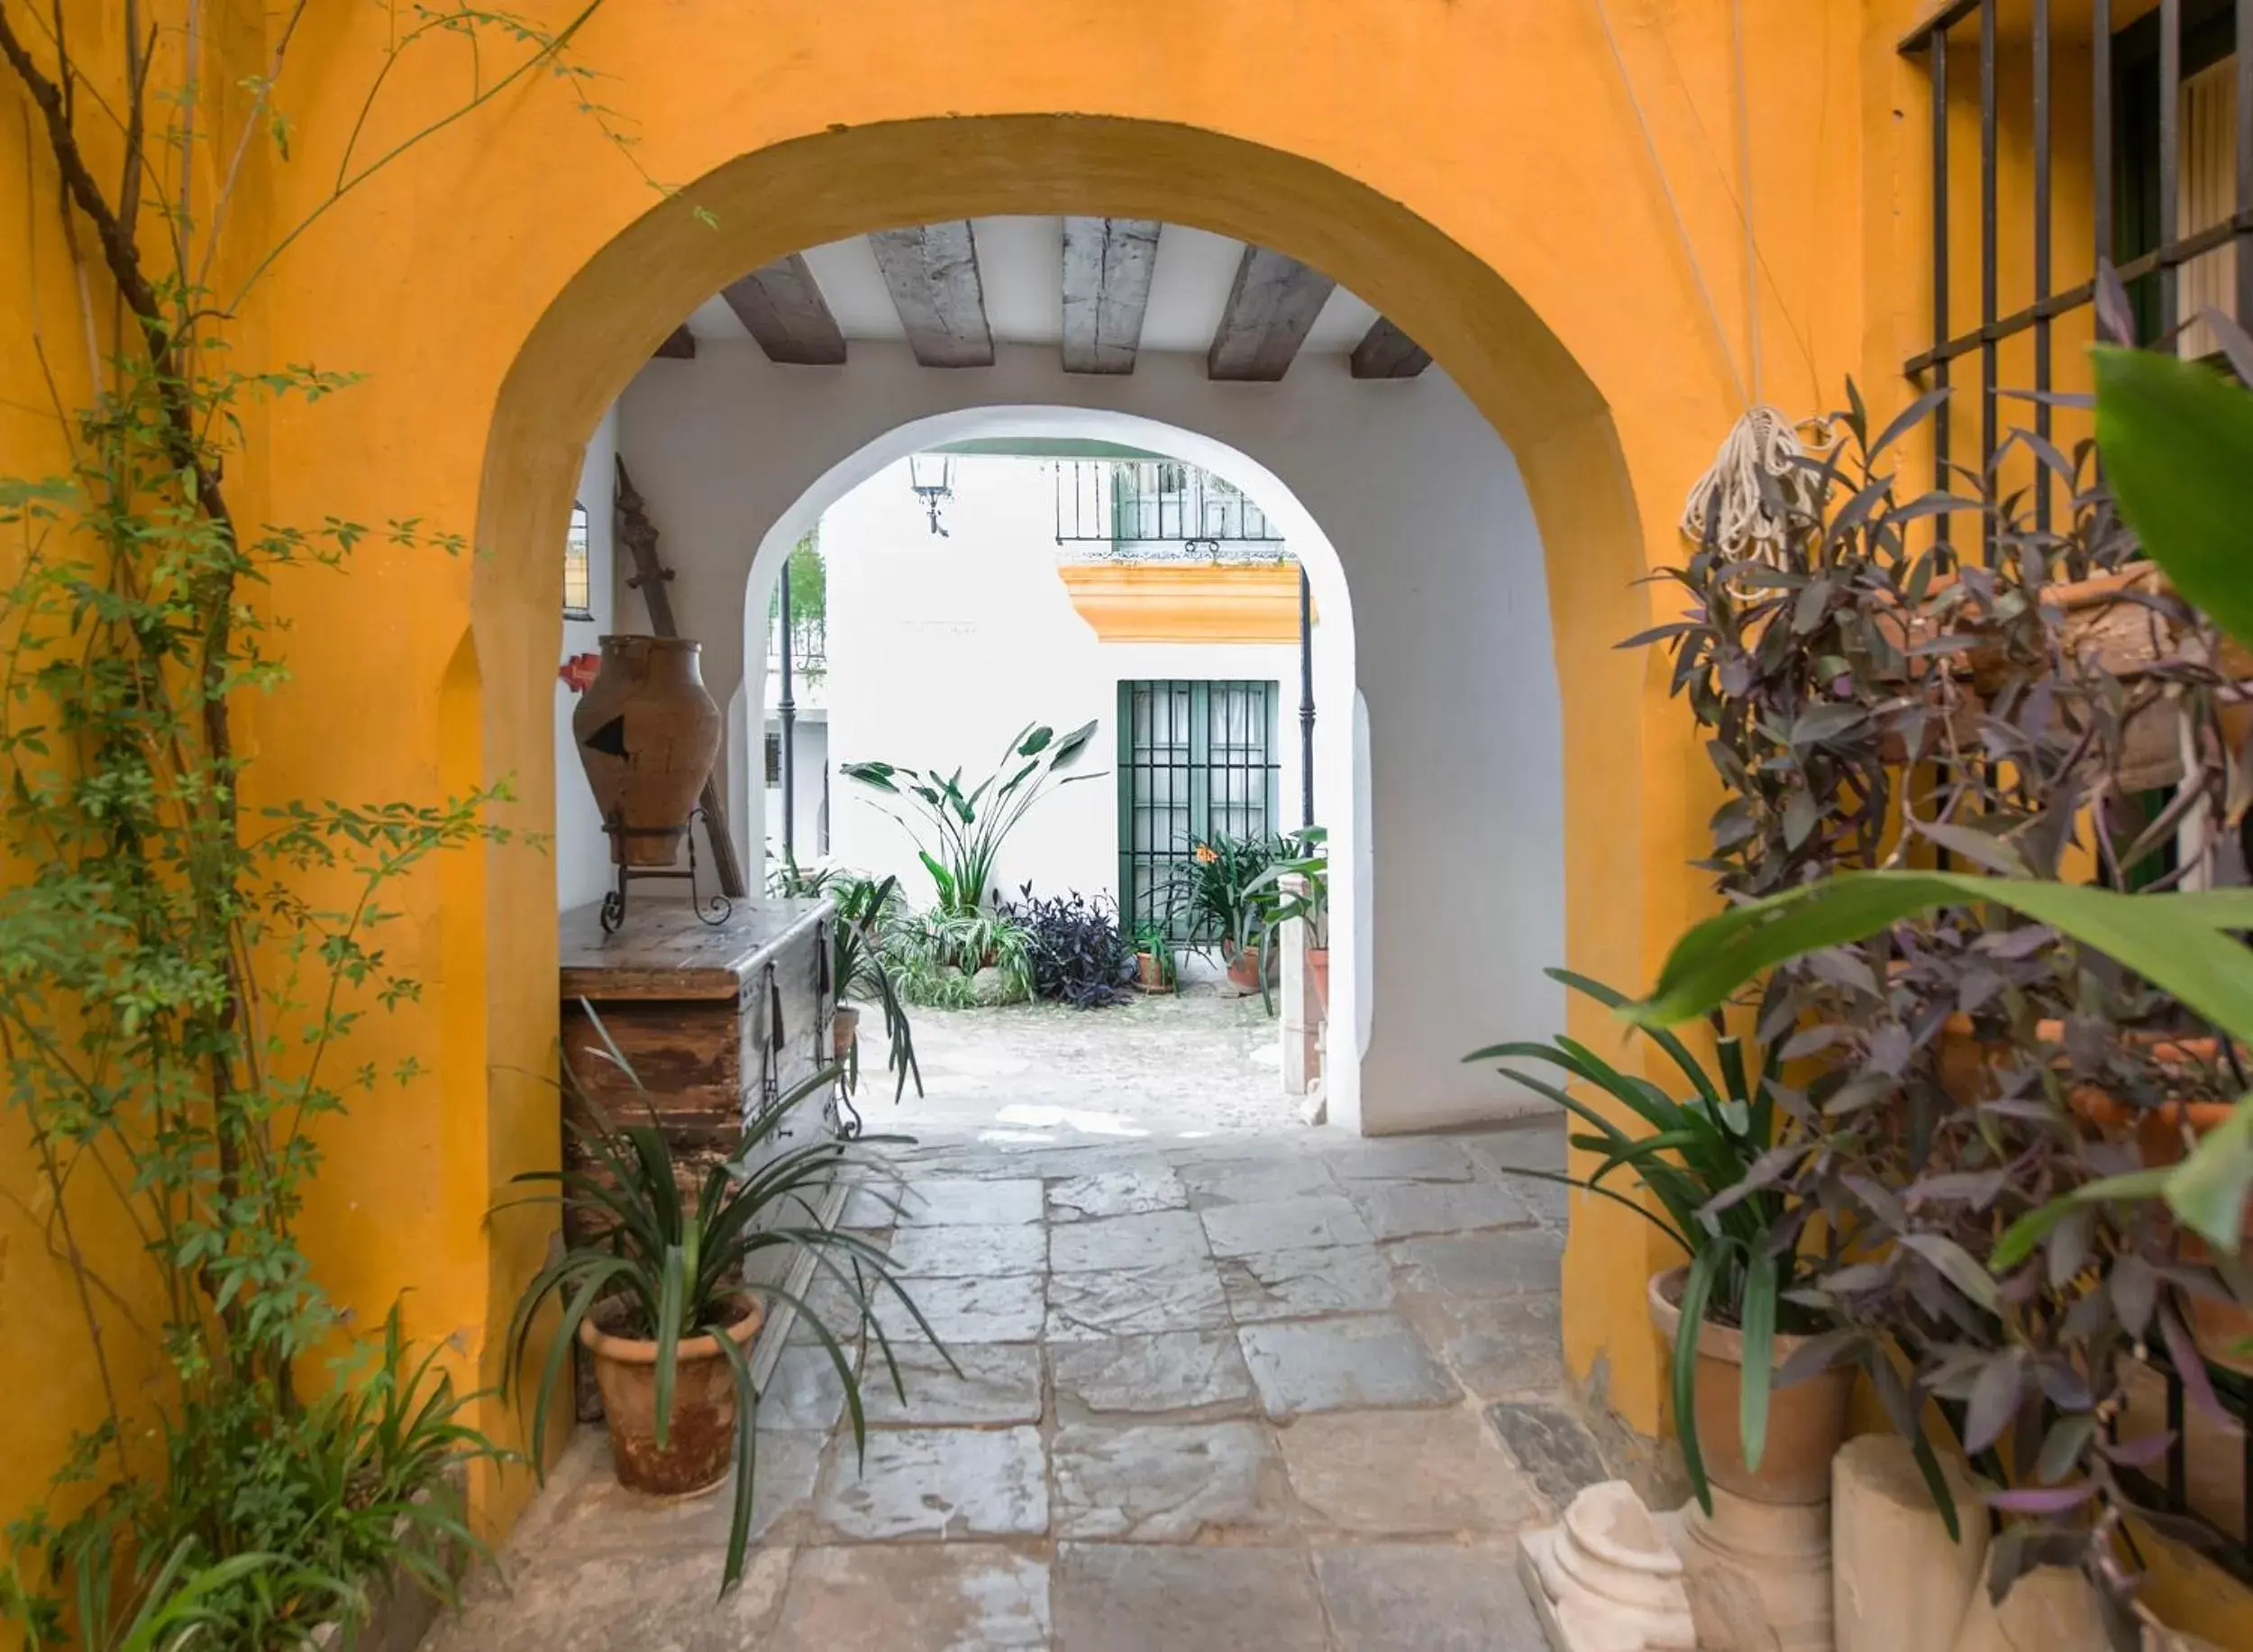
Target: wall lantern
931 476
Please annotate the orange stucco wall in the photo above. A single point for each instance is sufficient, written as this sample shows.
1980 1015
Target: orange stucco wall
1555 218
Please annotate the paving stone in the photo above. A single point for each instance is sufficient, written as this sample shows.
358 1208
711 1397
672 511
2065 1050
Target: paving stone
938 1483
803 1390
1171 1483
598 1515
595 1603
1406 1473
952 1597
1132 1598
1127 1191
1552 1445
1398 1597
1163 1236
1005 1309
969 1247
1396 1209
1294 1284
1535 1147
1283 1224
994 1383
939 1202
1260 1180
1402 1158
1169 1371
1331 1364
1482 1265
1511 1345
1156 1297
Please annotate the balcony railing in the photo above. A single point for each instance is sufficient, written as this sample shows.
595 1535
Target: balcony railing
1157 509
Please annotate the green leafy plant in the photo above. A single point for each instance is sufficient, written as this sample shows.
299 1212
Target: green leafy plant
860 970
1306 855
944 959
663 1265
1154 941
968 828
183 974
1219 888
1710 1158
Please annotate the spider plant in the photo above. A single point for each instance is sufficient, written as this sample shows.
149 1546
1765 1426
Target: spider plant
1709 1159
665 1267
860 970
969 827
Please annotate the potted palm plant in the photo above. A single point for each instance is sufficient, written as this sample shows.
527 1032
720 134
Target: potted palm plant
666 1291
1751 1420
1307 857
1154 957
1219 883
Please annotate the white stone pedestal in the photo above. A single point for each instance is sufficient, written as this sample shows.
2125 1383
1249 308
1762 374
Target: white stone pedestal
1300 1010
1605 1579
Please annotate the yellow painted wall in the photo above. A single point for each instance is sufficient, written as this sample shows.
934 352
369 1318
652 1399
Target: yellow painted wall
1553 209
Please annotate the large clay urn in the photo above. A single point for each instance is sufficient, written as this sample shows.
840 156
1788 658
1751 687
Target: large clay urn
647 734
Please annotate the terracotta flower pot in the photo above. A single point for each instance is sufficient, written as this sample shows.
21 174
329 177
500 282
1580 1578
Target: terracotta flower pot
701 1441
647 734
844 1026
1244 968
1807 1422
1151 973
1319 966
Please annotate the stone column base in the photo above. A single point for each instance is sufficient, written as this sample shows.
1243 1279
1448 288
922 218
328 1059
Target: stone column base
1605 1579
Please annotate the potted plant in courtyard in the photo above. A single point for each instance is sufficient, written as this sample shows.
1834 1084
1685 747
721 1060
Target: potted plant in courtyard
666 1290
1757 1412
1219 883
1307 857
1154 957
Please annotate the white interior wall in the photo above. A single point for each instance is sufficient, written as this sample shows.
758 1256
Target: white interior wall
941 650
1460 905
583 854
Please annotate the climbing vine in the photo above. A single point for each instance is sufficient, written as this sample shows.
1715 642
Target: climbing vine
182 973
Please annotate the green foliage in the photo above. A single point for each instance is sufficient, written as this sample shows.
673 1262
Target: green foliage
1711 1158
935 958
182 976
860 971
657 1264
968 828
1218 887
1153 940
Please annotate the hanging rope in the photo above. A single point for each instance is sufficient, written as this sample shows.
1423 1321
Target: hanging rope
1756 482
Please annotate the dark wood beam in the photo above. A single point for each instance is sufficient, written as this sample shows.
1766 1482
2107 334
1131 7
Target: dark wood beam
680 345
932 274
1387 353
1272 306
1108 263
782 306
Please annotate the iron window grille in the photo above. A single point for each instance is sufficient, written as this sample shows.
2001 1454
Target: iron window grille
2171 205
1152 508
1197 761
578 587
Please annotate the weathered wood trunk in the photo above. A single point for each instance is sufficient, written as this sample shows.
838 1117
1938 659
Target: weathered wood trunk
715 1026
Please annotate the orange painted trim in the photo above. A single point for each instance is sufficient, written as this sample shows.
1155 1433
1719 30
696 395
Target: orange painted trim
1158 602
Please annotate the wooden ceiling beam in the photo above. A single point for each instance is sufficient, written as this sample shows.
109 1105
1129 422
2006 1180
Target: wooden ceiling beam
781 306
680 345
1271 308
1387 353
1108 265
932 272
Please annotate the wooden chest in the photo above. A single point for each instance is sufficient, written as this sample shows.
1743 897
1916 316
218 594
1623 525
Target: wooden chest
717 1023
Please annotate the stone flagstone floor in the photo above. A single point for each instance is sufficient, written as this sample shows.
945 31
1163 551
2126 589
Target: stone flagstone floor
1243 1392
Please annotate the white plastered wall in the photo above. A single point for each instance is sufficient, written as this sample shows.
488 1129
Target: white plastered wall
1425 542
583 854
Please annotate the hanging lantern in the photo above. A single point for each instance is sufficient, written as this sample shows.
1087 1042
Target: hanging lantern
931 476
